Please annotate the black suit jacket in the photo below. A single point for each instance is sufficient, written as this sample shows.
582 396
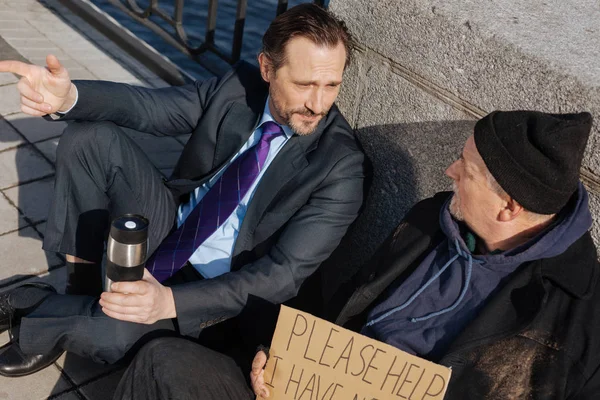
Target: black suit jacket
303 205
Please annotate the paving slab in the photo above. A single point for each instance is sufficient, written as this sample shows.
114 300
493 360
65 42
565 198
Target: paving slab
35 129
72 395
10 218
6 78
83 74
23 256
9 138
37 386
21 165
10 101
4 338
82 370
33 199
103 388
57 278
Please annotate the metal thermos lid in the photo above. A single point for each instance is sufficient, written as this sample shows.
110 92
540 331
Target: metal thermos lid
129 229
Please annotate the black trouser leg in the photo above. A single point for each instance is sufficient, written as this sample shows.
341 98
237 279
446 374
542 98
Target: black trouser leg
101 174
78 325
174 368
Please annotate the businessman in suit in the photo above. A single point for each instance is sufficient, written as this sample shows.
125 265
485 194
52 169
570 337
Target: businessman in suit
267 185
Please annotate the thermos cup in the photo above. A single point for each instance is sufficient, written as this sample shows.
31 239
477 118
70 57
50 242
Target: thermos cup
126 249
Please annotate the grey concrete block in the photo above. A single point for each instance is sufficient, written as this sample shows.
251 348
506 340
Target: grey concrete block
543 61
10 218
9 138
22 164
410 138
23 256
36 129
33 199
40 385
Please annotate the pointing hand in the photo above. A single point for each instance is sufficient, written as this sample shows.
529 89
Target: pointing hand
43 90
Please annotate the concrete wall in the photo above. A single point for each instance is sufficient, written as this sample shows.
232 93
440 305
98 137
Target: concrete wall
425 70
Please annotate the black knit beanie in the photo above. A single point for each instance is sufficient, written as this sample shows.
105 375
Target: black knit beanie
535 157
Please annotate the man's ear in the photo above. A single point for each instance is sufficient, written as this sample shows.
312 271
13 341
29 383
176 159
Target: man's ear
265 67
511 210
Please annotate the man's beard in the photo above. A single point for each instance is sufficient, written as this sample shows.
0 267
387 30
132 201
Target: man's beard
455 210
302 128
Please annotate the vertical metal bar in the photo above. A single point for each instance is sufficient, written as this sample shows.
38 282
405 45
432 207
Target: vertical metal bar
211 24
238 33
178 20
282 6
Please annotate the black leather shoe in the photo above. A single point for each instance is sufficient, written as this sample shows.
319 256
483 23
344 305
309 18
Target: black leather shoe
14 363
9 315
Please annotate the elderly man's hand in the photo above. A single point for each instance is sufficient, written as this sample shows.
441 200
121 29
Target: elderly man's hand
145 301
43 90
257 375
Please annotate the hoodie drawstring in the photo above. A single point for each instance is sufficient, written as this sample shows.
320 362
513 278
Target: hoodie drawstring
459 253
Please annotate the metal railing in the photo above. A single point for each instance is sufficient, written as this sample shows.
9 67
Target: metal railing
180 38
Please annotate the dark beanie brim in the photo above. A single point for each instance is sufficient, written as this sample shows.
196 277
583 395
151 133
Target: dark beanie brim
535 157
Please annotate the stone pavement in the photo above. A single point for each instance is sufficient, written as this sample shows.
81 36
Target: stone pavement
29 30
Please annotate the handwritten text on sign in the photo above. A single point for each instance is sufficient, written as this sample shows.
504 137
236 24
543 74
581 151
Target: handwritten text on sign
312 359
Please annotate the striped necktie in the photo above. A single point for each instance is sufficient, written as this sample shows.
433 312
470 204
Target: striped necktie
213 209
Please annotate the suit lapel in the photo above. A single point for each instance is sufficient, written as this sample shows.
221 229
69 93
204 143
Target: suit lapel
239 123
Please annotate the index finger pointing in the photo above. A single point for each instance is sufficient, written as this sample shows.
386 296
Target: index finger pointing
16 67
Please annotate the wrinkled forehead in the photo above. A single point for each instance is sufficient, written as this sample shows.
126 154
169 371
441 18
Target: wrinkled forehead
306 59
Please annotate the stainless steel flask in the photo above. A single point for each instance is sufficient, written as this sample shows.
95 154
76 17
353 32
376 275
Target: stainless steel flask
127 249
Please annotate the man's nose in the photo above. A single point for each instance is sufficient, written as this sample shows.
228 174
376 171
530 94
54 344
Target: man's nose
315 101
451 171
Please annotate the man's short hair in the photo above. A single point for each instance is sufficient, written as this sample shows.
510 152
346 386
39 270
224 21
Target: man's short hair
309 21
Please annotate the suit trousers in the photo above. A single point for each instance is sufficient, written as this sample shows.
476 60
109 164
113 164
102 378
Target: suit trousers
175 368
101 174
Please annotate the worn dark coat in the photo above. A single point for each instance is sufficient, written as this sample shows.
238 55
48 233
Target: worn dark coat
537 338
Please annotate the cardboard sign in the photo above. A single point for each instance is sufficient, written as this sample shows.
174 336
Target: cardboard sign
312 359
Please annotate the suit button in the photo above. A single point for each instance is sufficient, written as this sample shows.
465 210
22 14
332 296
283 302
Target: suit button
372 276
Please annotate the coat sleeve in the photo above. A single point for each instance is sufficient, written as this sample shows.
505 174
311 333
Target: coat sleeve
307 239
591 388
166 111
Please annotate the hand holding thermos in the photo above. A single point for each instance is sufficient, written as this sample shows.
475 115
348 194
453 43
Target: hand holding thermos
127 249
132 293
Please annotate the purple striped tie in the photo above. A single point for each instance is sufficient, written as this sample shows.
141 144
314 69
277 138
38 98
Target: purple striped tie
213 209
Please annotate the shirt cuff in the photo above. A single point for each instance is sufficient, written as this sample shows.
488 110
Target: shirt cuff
74 104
